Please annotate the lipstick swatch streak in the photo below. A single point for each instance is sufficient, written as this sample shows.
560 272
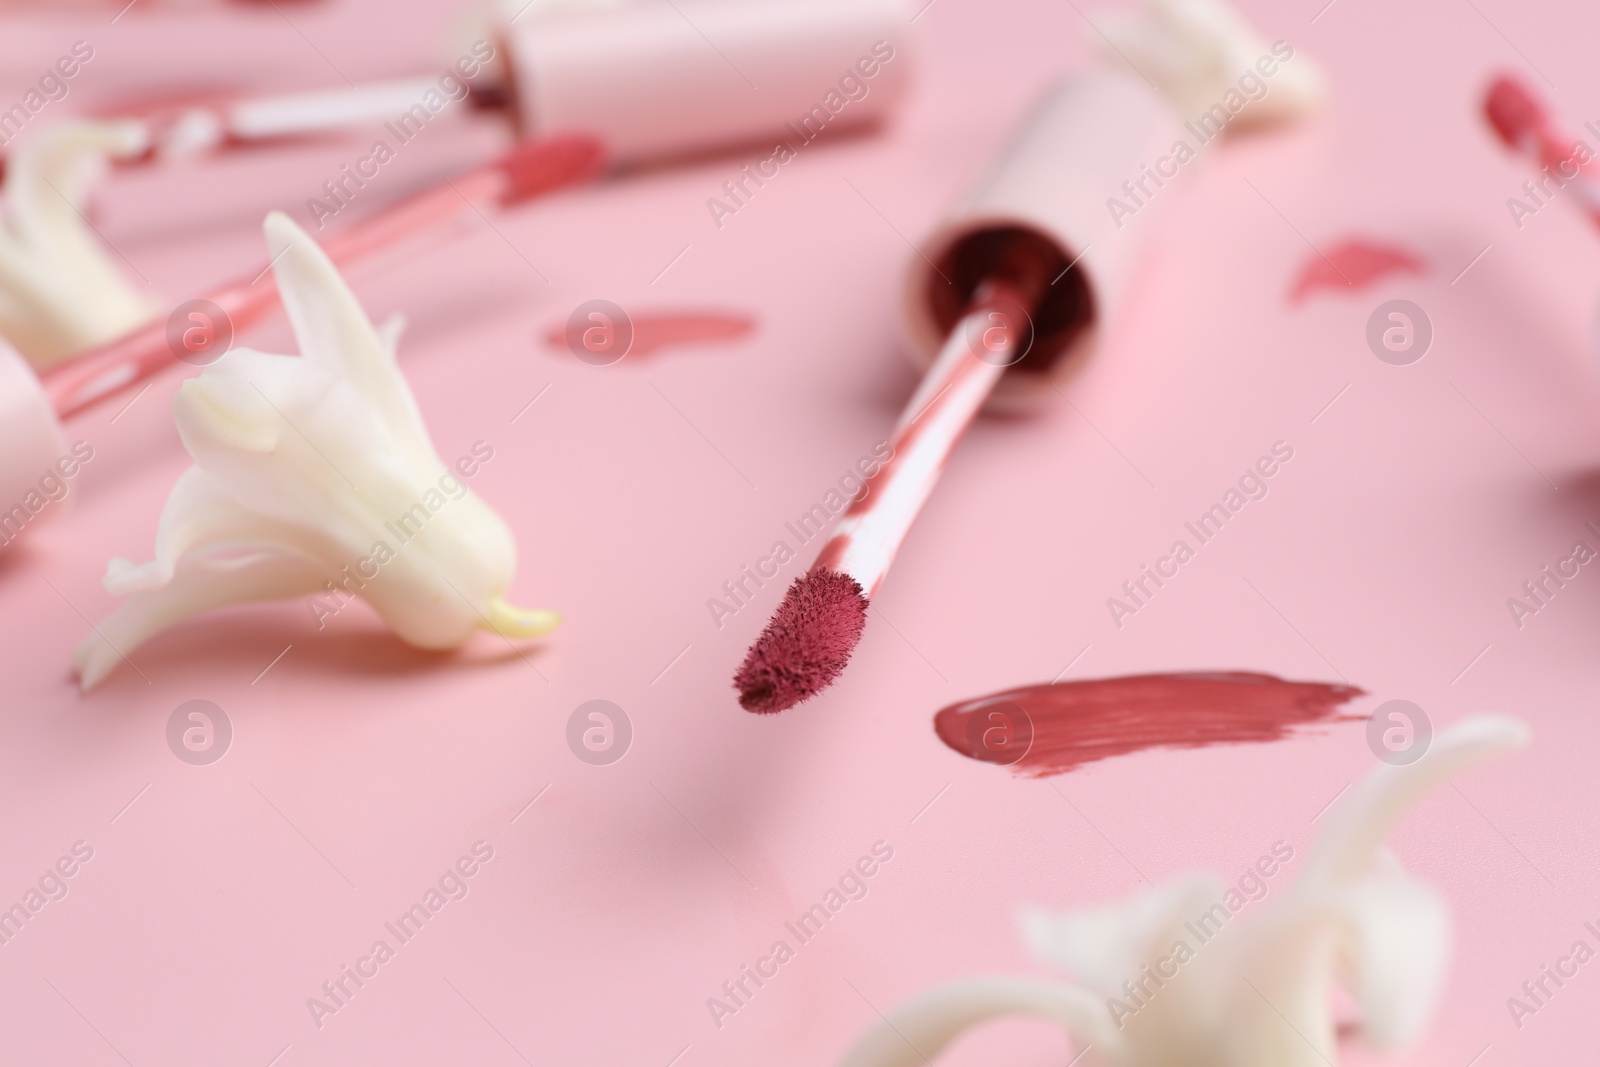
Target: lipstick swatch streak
653 332
1060 727
1352 265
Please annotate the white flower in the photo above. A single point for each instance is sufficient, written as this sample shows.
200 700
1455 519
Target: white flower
60 293
1256 991
1196 51
315 475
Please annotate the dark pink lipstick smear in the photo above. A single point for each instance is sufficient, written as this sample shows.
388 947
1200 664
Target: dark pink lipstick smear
1044 730
1352 265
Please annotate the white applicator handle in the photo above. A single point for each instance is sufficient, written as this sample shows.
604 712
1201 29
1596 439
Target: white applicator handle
865 541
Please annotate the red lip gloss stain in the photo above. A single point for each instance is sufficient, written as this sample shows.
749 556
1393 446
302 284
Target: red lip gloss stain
1045 730
1353 265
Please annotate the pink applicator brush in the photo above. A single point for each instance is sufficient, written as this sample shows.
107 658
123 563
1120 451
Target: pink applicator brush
1006 303
1525 124
31 408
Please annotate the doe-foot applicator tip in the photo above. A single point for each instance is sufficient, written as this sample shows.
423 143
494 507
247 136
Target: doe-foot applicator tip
807 643
1513 111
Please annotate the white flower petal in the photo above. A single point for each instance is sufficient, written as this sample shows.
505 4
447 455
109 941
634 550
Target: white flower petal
1195 52
1102 947
1396 945
62 291
1276 1011
314 473
192 589
918 1030
389 333
294 441
201 520
1358 825
1257 994
335 332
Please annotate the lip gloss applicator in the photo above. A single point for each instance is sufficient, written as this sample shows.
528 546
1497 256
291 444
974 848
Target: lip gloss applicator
1014 288
1526 125
32 406
650 79
639 78
1017 285
531 170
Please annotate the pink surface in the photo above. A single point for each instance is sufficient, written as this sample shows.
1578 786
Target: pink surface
219 898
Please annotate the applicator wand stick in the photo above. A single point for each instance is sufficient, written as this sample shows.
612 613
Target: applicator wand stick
1004 300
533 169
809 640
1526 125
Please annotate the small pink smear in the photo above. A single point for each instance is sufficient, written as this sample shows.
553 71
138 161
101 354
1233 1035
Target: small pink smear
1044 730
1353 265
658 331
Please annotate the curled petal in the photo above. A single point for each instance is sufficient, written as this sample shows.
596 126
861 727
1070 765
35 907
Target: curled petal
1357 827
334 332
1395 946
193 589
1101 947
918 1030
60 291
1196 51
200 518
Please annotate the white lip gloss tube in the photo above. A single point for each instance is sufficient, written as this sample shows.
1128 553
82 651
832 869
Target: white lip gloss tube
1050 188
655 80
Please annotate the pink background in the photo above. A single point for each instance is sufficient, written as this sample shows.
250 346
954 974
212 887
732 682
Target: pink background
225 895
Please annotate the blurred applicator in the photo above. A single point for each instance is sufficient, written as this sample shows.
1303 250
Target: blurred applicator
1527 126
32 407
650 79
